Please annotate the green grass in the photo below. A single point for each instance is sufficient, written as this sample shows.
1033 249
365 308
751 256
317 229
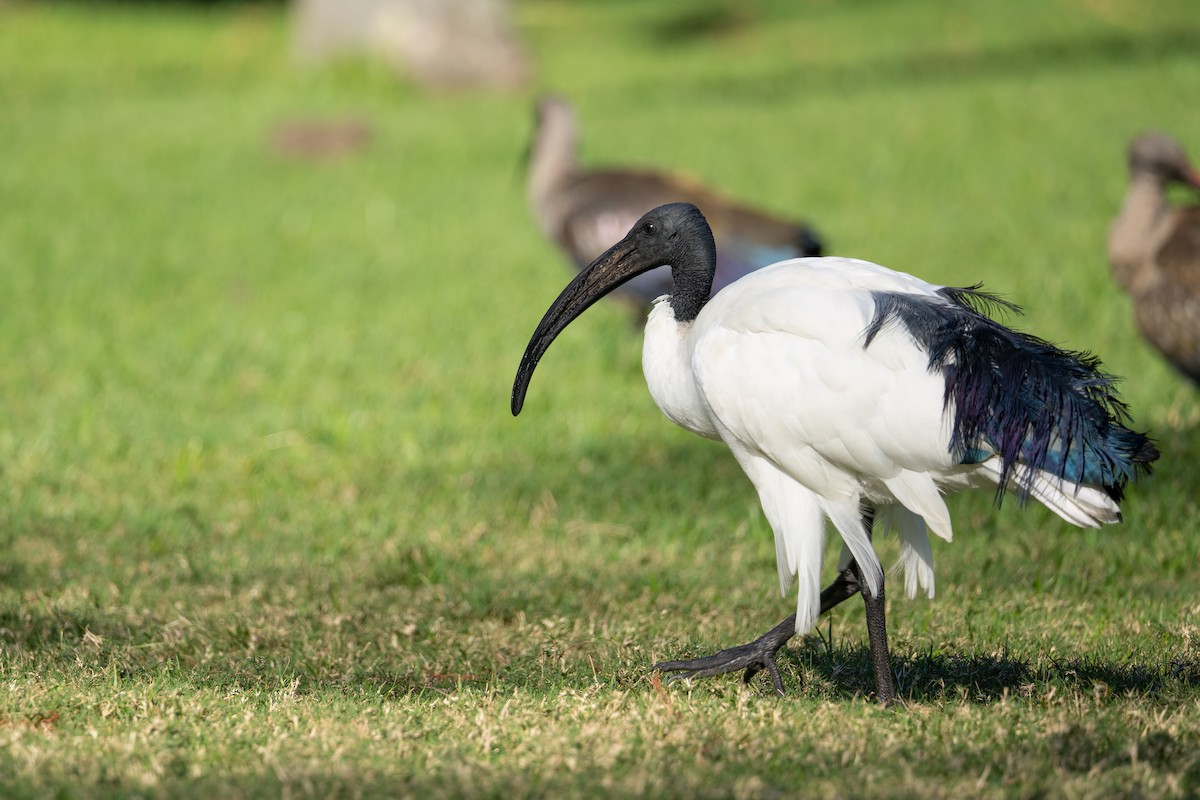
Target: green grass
269 528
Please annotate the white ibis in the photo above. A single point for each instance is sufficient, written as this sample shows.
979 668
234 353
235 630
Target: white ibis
853 393
1154 250
583 211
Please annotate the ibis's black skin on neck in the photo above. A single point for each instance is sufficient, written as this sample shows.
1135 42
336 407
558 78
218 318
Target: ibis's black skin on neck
676 234
692 277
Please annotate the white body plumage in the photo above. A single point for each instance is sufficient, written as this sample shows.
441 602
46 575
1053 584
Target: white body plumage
776 365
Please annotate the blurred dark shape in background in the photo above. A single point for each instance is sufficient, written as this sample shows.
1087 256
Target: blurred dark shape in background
584 210
1154 250
440 44
707 20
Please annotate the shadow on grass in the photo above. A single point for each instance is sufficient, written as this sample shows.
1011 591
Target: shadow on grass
139 647
986 678
143 649
1024 60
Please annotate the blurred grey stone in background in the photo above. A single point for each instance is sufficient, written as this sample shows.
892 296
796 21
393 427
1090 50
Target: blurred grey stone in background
440 44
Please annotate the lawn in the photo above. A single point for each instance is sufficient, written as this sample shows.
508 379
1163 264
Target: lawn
270 529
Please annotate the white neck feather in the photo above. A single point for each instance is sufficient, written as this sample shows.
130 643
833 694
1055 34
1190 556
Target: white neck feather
667 364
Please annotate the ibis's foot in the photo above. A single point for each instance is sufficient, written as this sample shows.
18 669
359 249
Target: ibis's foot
754 657
759 655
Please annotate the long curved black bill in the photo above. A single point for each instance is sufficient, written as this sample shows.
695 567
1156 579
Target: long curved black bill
617 265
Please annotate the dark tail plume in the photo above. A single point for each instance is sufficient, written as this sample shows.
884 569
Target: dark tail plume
1035 405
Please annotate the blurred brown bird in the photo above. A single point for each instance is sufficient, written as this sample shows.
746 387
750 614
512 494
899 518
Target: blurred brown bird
1154 249
583 211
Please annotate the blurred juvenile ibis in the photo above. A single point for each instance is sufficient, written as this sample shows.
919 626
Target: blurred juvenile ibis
1154 249
583 211
853 393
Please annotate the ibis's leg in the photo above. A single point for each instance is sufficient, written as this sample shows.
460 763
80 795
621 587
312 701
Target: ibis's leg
885 691
760 654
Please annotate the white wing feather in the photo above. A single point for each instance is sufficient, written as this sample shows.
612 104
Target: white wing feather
780 364
916 556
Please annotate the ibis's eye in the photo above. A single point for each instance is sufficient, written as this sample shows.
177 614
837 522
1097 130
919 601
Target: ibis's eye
649 229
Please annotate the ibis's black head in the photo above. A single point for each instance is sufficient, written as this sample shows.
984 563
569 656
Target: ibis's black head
676 234
1160 155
